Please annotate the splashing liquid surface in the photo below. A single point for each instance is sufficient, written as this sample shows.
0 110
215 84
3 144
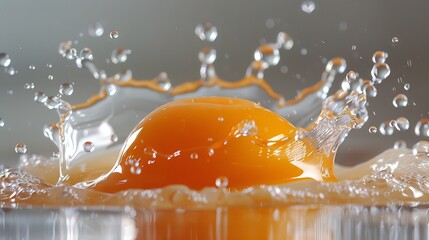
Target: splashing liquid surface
197 151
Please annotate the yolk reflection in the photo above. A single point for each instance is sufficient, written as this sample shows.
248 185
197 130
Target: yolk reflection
196 141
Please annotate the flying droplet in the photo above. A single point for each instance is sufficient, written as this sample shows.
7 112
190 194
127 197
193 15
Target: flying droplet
29 85
400 100
206 32
66 89
379 72
386 128
308 6
267 53
40 97
395 40
221 182
10 70
1 122
88 147
20 148
336 64
64 47
114 138
86 53
270 23
402 124
422 127
370 90
207 55
114 34
284 41
372 129
32 67
407 86
119 55
5 60
379 57
96 30
50 77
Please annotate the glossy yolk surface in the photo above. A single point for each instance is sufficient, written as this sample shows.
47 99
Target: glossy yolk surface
196 141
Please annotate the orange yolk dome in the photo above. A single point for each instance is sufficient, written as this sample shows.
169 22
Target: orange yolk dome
196 141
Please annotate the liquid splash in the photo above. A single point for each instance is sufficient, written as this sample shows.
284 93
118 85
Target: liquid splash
92 130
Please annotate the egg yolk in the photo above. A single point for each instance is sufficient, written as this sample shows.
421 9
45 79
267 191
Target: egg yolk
213 141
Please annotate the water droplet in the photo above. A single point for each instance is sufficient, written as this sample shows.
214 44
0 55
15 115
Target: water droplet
119 55
372 129
336 64
267 53
211 152
284 41
29 85
386 128
21 148
421 149
96 30
379 72
370 90
1 122
32 67
395 39
400 100
5 60
135 170
206 32
402 124
88 147
52 102
270 23
256 69
56 155
163 82
352 76
10 70
308 6
354 47
221 182
63 47
40 97
86 53
284 69
304 51
66 89
71 53
399 144
50 77
422 127
207 55
114 138
407 86
379 57
114 34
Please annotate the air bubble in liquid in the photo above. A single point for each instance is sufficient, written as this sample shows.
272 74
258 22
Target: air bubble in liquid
221 182
386 128
206 32
421 149
88 147
267 53
66 89
207 55
284 41
114 34
400 100
422 127
402 124
399 144
21 148
194 156
308 6
119 55
5 60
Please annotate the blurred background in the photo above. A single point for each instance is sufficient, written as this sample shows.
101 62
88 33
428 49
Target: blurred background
160 35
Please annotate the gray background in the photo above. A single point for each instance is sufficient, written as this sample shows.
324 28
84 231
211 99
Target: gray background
161 37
